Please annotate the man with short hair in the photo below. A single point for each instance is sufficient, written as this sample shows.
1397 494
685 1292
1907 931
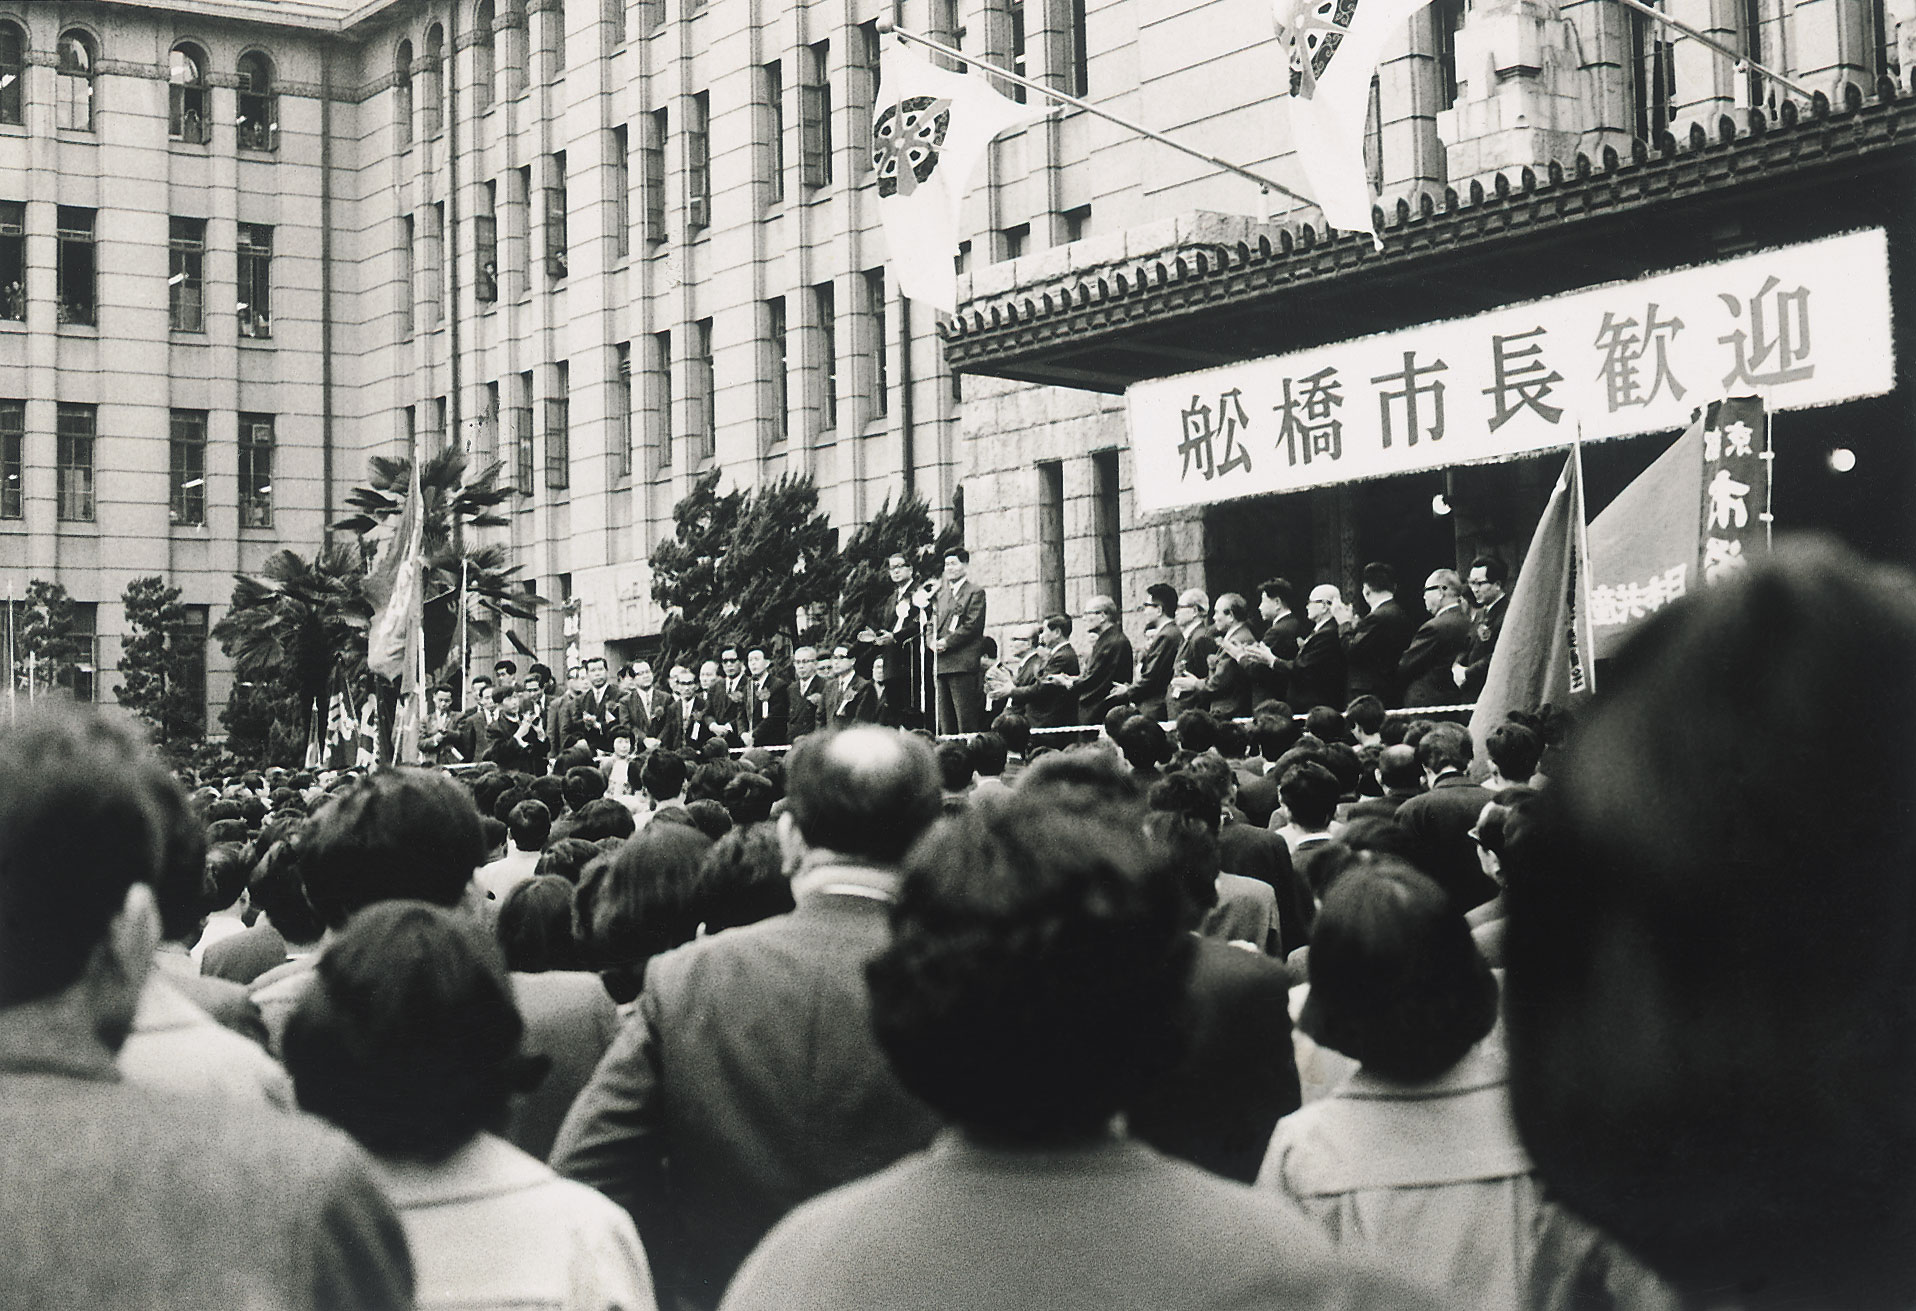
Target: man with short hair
722 710
1110 662
1488 581
644 702
807 691
663 778
767 702
1377 641
529 825
894 630
851 697
1317 671
1048 702
1155 668
1195 649
111 1194
1401 777
958 610
1514 750
1228 688
748 1080
590 715
683 722
1424 668
1440 820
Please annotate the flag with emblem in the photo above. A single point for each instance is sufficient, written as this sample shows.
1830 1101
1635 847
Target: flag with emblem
930 129
1334 47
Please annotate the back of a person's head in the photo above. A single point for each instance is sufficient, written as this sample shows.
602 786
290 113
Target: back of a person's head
1015 729
1397 767
575 756
1723 846
224 879
637 902
955 772
1114 719
741 880
1327 725
1396 982
400 834
749 798
709 817
550 789
86 811
1143 742
1366 713
583 784
663 775
505 800
1514 750
709 780
1189 848
1445 746
278 892
215 811
535 926
530 824
1034 983
226 830
1196 730
1309 793
409 1038
1184 794
1273 731
865 792
602 817
1211 772
988 754
566 858
1084 782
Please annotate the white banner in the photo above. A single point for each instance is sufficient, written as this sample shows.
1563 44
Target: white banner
1801 326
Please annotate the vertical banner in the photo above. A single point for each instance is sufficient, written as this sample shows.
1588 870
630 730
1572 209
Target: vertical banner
1736 486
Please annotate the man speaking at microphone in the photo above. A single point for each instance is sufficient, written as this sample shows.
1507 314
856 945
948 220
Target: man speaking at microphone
958 610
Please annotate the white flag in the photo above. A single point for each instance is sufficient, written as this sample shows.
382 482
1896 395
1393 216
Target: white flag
1334 47
930 130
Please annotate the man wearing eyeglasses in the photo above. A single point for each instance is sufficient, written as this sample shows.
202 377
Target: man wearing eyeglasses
1489 581
1425 665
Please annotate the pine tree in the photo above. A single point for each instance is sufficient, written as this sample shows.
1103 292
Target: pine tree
160 660
46 652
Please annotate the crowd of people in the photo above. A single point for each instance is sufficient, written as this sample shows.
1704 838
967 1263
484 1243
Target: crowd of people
1314 1010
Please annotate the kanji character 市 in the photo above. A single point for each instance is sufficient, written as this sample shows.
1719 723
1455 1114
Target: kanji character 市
1728 509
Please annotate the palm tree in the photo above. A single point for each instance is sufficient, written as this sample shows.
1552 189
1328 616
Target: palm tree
453 503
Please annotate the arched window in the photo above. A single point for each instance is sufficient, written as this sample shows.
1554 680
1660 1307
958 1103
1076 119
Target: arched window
186 95
73 104
13 74
434 81
258 103
402 94
484 54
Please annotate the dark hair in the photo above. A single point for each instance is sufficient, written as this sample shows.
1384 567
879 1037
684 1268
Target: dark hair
709 817
1309 793
1184 795
1397 767
550 789
603 818
409 1038
530 825
495 830
1231 739
1366 712
277 891
741 880
583 784
1143 742
1083 782
1445 746
963 555
955 772
566 858
1514 750
396 834
226 830
1189 849
1274 732
1495 570
227 869
1280 590
865 792
1326 724
988 754
749 798
1379 577
637 902
1059 624
1196 730
1034 984
86 811
535 926
1015 729
663 775
710 778
1397 984
1163 596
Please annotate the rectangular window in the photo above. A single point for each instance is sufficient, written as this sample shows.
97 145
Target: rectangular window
522 436
559 429
825 318
615 22
621 184
1051 536
652 160
435 289
1653 75
698 162
1883 36
255 281
77 270
555 217
881 340
1106 525
660 375
1750 21
13 470
520 229
1016 240
185 101
85 636
489 427
1080 52
651 16
865 86
13 260
1446 17
186 468
13 76
409 418
186 274
619 430
404 290
73 482
778 367
1015 16
1077 223
555 35
189 638
256 446
948 26
772 91
436 435
705 425
815 118
486 240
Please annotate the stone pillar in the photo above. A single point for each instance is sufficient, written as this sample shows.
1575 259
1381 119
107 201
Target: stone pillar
1520 94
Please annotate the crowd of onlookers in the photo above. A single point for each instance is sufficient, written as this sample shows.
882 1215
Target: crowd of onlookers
1316 1010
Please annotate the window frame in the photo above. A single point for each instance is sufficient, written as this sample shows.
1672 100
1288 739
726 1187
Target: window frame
256 494
815 118
13 261
70 240
558 417
186 468
257 122
186 274
13 74
698 162
75 110
13 463
75 471
187 120
253 247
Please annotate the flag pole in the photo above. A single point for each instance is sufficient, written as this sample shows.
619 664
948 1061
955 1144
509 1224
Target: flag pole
1583 552
886 25
1717 47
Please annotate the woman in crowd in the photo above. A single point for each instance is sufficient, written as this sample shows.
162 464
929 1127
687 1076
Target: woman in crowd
410 1043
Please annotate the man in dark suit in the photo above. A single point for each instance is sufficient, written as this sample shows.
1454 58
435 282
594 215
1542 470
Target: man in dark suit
644 699
748 1080
1110 662
851 697
895 629
1317 671
517 738
958 611
1401 777
683 723
1150 694
1284 631
767 701
1228 687
112 1194
1378 640
1439 821
590 715
1195 649
1424 668
807 691
1488 588
1023 668
1048 702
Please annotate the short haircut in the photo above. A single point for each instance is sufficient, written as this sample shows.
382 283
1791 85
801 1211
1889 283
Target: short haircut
749 797
1514 750
1059 624
395 834
1190 850
278 893
506 667
1234 606
1083 782
1281 590
530 825
637 902
1034 984
988 754
1495 570
566 858
590 661
1379 577
955 771
1232 740
963 556
551 790
1163 596
409 1038
663 775
1273 731
1309 793
868 792
1014 728
535 926
1446 746
1397 984
227 868
1448 581
495 830
1397 767
480 680
741 880
86 811
1212 774
1326 724
1366 713
709 816
1197 730
582 783
1143 742
603 818
1185 795
1195 597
